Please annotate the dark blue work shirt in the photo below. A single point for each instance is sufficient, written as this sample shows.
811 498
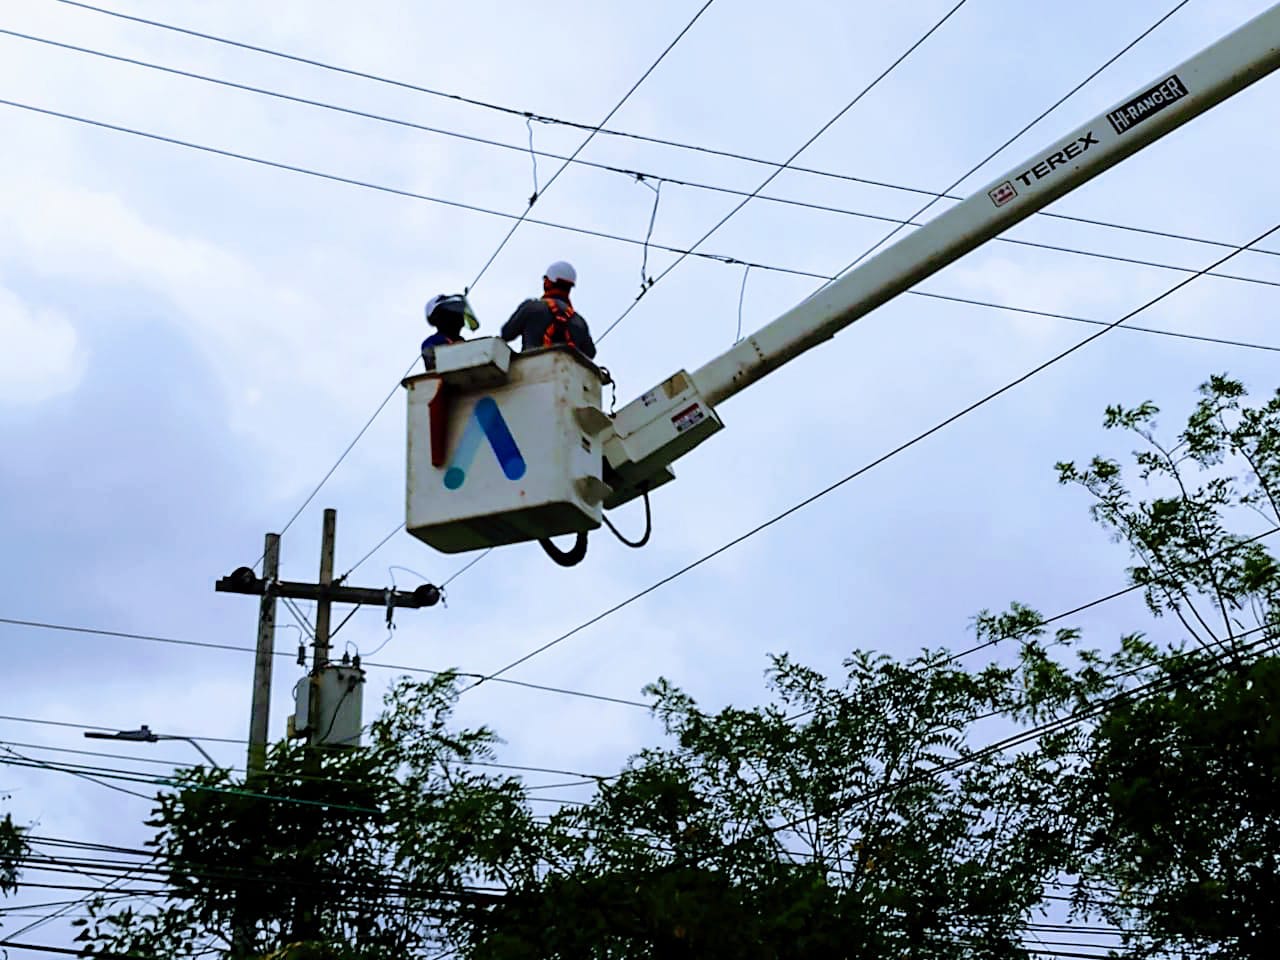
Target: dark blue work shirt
429 345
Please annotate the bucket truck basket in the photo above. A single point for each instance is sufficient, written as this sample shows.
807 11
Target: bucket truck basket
503 447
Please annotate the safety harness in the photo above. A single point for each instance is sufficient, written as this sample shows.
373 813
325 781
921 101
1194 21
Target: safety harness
558 329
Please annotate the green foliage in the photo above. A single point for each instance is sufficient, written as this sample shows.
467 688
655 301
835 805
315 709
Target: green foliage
356 853
1182 798
1219 476
1177 792
13 849
815 826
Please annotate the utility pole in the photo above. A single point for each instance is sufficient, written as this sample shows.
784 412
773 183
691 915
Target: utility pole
324 605
260 711
330 686
324 610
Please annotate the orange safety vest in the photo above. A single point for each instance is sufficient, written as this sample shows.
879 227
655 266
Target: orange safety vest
558 329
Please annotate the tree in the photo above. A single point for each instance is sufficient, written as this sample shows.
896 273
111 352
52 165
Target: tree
13 849
356 853
852 819
1179 795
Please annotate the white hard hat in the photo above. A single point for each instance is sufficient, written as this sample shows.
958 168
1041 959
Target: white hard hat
562 271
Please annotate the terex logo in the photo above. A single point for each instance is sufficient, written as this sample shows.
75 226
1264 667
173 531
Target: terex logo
1059 158
486 423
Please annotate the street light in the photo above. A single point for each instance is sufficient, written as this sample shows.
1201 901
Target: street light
145 734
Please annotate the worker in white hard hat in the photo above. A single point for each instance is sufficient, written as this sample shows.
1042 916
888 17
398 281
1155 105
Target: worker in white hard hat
448 313
551 320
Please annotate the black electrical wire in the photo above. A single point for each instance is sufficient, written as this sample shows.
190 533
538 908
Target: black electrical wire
1136 694
79 952
648 527
393 885
524 768
902 447
641 175
30 762
1152 688
566 558
787 163
67 628
681 252
356 439
590 136
1048 110
933 198
136 777
399 887
1081 608
554 121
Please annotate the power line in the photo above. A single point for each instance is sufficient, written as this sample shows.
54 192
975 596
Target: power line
394 885
524 768
627 172
1079 608
152 638
77 952
682 252
583 779
590 136
906 445
351 446
554 121
933 198
1201 338
29 762
429 892
1151 688
23 761
772 176
1052 107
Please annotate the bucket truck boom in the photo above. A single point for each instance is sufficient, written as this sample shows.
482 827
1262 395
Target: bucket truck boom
558 460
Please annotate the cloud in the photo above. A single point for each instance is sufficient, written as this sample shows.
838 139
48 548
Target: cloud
42 357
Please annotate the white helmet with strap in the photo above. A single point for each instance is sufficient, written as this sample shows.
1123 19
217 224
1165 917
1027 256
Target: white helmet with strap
562 272
451 303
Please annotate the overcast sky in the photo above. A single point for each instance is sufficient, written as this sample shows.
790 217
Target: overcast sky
190 341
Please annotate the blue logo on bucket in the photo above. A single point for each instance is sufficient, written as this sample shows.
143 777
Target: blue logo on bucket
485 423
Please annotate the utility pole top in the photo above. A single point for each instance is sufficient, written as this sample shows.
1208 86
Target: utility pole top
244 580
328 704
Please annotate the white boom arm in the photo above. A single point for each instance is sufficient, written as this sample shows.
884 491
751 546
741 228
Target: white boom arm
668 421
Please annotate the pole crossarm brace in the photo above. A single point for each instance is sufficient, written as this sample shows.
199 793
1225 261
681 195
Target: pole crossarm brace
244 580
